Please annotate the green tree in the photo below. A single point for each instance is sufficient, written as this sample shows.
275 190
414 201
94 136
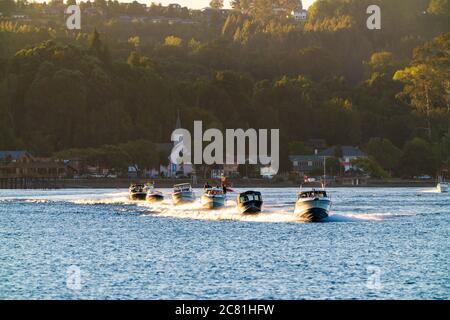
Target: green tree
8 140
417 158
216 4
134 59
299 148
7 6
97 47
371 167
427 83
338 152
382 62
440 7
135 41
333 166
173 41
141 152
422 88
384 152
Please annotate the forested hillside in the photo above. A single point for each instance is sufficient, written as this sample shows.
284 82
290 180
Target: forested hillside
115 81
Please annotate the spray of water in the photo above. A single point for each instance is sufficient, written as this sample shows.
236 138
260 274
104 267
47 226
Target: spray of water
274 211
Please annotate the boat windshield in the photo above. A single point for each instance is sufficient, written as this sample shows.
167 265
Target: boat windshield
214 191
137 188
250 197
182 187
313 194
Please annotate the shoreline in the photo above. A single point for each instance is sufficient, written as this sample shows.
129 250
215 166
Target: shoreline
105 183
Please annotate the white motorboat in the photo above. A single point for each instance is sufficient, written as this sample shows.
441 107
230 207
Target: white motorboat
137 192
154 195
313 205
443 186
213 198
183 193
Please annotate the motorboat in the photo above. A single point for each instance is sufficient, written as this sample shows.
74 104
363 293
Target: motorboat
213 198
137 192
313 205
443 186
154 195
183 193
249 202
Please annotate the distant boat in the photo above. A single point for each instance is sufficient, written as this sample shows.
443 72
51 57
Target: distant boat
183 193
442 186
154 195
137 192
213 198
313 205
249 202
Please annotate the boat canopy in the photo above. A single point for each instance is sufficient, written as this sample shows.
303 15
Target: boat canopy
137 187
250 196
182 187
313 194
214 191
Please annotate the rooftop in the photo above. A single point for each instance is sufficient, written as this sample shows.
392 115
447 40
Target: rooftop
310 157
15 155
347 151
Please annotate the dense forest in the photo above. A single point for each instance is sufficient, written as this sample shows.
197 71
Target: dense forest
116 82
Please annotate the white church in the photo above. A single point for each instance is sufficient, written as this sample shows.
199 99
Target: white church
299 13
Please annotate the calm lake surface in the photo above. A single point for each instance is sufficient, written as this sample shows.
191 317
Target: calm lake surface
387 243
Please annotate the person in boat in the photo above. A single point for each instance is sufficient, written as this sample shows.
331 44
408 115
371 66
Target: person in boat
224 183
207 186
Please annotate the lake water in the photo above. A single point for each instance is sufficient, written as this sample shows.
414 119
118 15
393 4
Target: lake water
379 243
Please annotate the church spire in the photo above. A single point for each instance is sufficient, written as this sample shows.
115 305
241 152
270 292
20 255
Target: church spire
178 124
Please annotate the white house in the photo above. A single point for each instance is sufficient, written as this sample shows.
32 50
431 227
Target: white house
305 164
299 14
349 153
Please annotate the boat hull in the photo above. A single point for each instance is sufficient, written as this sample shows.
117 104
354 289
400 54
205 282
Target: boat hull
443 187
213 202
250 207
155 197
314 210
138 196
183 197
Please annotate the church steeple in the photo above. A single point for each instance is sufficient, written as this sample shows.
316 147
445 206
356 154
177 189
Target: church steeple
300 5
178 123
